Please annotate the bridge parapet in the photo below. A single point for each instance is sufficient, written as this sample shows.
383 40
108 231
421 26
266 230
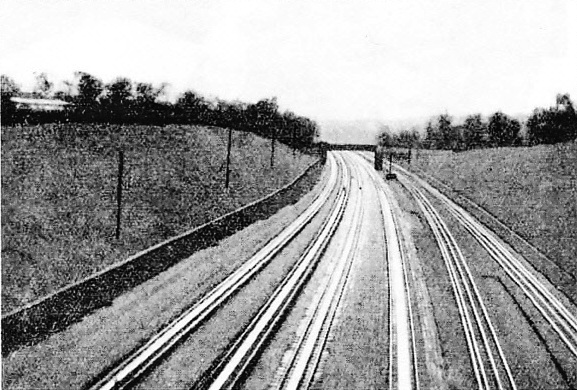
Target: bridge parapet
367 147
378 154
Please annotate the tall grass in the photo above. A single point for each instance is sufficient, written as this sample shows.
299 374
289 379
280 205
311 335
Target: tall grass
533 190
59 194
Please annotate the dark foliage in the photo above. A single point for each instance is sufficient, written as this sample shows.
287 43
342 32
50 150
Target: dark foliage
8 107
544 126
555 124
405 139
441 134
503 131
475 132
87 107
125 102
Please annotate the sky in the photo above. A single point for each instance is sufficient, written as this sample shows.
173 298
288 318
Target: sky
328 60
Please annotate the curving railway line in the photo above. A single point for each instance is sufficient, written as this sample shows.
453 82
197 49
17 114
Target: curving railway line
487 357
552 304
551 315
127 372
293 330
304 360
233 366
403 367
348 176
301 369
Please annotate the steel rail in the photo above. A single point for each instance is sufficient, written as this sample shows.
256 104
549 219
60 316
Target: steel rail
551 308
238 357
398 304
532 282
486 316
411 317
138 362
385 205
542 298
473 347
469 276
462 215
302 364
465 274
395 252
565 320
548 307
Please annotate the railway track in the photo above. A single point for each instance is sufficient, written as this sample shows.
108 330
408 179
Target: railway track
551 307
303 362
342 199
131 369
488 360
486 354
230 369
403 367
487 357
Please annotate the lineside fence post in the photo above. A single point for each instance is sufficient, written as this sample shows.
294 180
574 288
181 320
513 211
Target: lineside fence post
119 191
227 179
272 148
293 143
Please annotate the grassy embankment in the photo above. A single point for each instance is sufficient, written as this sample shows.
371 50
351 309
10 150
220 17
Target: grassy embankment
59 194
532 190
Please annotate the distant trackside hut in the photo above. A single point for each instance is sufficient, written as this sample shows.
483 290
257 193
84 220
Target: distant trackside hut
40 104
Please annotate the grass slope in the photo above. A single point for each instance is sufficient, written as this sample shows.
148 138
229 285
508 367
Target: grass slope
59 194
533 190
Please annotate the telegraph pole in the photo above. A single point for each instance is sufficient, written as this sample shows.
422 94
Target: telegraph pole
228 157
119 191
272 148
293 142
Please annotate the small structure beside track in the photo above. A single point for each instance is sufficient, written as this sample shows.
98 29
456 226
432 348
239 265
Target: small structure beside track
390 175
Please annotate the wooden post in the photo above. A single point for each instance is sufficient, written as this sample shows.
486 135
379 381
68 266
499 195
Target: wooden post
272 149
228 157
293 142
119 191
378 160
